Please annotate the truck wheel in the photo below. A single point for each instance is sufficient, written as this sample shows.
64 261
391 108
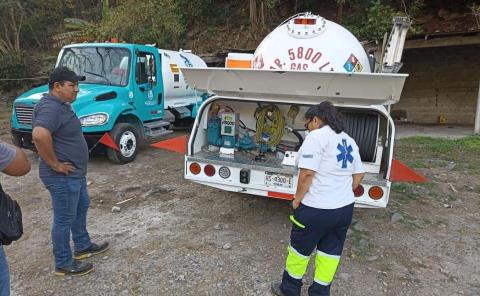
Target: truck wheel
127 139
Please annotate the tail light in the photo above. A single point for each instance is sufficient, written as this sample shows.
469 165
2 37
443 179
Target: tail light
359 191
304 21
375 192
209 170
195 168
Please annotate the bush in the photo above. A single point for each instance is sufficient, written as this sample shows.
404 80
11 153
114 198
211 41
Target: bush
13 66
151 21
373 22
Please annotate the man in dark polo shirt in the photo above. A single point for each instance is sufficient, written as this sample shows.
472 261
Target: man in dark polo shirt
58 137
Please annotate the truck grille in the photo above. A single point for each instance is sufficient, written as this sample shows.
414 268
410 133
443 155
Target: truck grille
24 114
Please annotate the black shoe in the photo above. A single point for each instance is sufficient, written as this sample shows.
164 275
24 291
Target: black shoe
78 268
276 290
93 250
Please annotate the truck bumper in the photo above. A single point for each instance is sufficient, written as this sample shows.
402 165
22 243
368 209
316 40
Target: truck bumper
23 139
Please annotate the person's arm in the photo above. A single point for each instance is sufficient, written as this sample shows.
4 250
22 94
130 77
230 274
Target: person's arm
358 169
42 138
357 178
305 178
19 166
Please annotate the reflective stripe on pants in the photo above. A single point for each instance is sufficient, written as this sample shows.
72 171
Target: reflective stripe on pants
296 263
325 268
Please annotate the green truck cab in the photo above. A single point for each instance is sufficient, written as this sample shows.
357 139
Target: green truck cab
131 93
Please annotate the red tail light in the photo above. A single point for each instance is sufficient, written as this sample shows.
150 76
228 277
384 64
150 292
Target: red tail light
375 192
195 168
209 170
359 191
304 21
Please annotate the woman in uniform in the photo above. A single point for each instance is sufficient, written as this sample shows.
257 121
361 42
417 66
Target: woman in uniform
330 169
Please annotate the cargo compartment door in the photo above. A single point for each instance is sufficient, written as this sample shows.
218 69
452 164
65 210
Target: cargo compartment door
300 87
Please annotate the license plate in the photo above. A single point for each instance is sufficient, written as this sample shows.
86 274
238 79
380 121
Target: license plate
278 180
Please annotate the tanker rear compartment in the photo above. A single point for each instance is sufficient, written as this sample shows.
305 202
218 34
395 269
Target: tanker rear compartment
246 146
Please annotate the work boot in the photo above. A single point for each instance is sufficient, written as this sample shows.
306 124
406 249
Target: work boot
76 269
276 290
93 250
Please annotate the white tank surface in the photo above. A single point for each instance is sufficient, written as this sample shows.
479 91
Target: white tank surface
177 92
309 42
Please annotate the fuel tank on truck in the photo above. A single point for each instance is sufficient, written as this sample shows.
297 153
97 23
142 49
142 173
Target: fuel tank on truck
309 42
177 92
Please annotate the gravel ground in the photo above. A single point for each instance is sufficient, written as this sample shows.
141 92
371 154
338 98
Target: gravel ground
175 237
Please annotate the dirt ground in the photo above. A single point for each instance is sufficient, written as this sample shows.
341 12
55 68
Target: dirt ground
179 238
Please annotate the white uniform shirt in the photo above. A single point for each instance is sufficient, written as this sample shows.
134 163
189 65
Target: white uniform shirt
334 158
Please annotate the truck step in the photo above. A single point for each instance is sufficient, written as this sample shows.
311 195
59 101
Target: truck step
157 133
168 116
156 125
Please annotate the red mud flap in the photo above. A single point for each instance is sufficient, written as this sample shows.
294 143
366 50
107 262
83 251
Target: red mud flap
178 144
107 140
402 173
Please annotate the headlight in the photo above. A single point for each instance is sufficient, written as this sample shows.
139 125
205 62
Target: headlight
94 119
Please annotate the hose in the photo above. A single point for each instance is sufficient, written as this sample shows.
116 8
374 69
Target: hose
363 129
274 127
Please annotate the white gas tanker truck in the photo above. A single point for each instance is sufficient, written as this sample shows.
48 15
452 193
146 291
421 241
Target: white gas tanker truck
246 137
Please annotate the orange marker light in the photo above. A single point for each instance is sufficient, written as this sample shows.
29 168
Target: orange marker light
195 168
375 193
304 21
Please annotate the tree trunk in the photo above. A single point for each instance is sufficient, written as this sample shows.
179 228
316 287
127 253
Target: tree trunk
105 9
253 15
340 11
18 27
262 14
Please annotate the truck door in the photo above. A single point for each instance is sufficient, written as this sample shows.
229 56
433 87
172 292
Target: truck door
149 87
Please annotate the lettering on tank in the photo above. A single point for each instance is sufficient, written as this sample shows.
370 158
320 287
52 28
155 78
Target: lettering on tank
296 58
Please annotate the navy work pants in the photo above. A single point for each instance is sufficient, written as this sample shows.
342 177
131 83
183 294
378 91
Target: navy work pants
313 228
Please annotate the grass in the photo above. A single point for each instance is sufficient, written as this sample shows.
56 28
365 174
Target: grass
425 152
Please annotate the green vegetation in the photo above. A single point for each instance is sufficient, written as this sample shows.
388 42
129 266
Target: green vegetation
460 154
13 65
39 27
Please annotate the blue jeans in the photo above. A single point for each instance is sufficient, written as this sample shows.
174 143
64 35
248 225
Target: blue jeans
70 203
4 274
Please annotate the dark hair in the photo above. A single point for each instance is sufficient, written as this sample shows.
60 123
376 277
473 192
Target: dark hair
50 84
328 114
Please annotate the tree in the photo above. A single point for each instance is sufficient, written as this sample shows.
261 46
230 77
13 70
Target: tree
150 21
259 10
12 14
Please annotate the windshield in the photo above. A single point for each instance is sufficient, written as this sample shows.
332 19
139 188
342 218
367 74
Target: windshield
100 65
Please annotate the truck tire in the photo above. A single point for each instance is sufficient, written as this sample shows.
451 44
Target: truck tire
127 139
